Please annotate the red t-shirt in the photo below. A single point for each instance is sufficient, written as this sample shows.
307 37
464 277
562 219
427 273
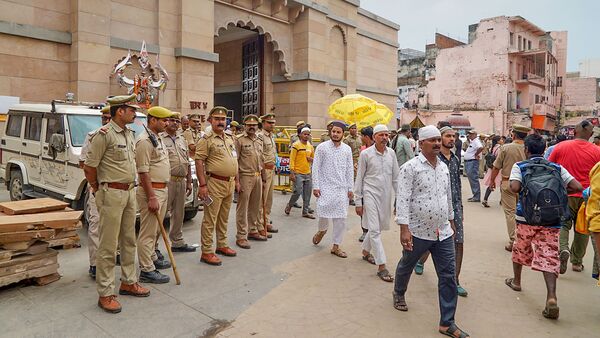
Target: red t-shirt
578 157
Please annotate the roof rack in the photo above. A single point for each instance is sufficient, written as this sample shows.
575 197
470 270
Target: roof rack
71 102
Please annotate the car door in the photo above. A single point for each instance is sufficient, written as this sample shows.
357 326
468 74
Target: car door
11 141
31 151
54 162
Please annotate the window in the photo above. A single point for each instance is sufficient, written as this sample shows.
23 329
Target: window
13 128
520 42
33 128
512 39
537 98
559 81
54 127
529 44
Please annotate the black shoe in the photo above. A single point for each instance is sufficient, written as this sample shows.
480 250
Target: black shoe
352 202
362 237
473 200
159 255
296 205
162 264
154 277
311 211
118 260
92 272
185 248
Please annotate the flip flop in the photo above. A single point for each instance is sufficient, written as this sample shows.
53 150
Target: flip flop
400 303
369 258
551 311
509 283
451 330
385 276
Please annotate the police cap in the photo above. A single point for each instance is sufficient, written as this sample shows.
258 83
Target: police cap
123 100
160 112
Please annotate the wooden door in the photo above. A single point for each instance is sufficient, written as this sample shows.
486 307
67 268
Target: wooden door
252 51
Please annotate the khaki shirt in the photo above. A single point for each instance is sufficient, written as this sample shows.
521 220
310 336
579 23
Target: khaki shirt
508 155
355 143
191 136
325 137
269 148
113 154
250 152
178 154
152 160
218 154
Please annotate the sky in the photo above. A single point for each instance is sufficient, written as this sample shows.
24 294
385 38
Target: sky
419 20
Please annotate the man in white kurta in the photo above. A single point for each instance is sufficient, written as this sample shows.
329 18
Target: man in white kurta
374 195
332 174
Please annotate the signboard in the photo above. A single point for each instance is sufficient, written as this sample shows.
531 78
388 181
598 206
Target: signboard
283 164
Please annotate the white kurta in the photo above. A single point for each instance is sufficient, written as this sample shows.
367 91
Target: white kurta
375 187
332 174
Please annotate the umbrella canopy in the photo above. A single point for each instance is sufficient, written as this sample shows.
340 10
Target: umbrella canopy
359 109
417 123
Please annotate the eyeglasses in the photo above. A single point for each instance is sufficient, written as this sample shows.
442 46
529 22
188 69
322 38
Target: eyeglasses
104 118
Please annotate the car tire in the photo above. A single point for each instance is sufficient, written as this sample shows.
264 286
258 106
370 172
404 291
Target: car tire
189 214
15 186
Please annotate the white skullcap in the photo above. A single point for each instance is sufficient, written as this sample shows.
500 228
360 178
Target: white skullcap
379 128
305 129
428 132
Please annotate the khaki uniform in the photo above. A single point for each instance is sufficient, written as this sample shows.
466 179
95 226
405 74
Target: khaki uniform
484 152
91 210
508 155
177 151
250 162
113 156
269 155
325 137
192 136
355 143
155 162
220 158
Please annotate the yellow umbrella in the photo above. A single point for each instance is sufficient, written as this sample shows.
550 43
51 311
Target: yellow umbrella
352 108
381 115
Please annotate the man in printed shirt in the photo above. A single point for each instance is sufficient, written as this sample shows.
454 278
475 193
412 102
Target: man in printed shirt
426 218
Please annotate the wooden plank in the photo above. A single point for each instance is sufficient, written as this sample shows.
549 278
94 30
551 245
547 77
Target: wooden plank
66 243
5 255
32 206
64 234
45 280
17 246
38 272
54 220
25 236
28 262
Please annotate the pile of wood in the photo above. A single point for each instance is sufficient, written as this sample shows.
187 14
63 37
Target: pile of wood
28 229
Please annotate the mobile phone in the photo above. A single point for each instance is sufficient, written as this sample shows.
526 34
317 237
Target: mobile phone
208 201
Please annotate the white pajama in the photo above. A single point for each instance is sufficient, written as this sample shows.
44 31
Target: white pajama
339 228
374 245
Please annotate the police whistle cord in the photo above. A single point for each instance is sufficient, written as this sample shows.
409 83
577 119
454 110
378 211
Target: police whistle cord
168 246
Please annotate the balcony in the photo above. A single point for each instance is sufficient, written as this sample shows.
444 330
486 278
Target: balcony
531 79
544 109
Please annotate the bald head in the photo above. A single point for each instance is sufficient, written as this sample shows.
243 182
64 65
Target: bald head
584 130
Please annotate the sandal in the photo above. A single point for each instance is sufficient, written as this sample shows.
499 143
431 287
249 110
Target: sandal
385 276
318 237
369 258
400 303
338 252
551 311
485 204
509 283
451 330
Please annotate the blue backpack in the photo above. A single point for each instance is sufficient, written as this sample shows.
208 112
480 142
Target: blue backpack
543 195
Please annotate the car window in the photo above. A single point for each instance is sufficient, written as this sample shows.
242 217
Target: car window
33 128
13 127
54 127
81 125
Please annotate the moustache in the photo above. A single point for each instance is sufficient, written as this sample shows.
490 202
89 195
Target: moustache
221 125
436 147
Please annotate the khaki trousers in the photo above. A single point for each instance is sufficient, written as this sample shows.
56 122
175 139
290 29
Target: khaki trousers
248 206
149 228
117 210
176 206
268 187
93 221
216 214
508 199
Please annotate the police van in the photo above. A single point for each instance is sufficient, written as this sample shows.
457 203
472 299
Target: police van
40 149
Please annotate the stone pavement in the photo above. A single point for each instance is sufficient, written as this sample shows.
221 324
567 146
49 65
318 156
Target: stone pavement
289 288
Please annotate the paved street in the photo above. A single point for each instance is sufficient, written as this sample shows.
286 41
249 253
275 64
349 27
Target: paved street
289 288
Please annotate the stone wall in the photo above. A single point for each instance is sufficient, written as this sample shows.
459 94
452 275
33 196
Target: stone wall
581 92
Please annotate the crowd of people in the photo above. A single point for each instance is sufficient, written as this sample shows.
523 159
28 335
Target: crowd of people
380 173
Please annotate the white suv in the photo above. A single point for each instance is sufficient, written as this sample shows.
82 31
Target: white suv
40 148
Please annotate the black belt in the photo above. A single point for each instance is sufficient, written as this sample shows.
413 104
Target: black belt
470 160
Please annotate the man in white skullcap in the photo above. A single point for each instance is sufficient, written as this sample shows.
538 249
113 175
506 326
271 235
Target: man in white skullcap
425 214
301 158
374 195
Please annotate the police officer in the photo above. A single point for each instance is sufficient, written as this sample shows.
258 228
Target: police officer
325 136
216 167
249 147
194 133
180 184
236 129
353 140
508 155
110 171
91 210
269 156
154 173
185 124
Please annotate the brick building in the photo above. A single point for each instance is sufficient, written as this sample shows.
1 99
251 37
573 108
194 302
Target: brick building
292 57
